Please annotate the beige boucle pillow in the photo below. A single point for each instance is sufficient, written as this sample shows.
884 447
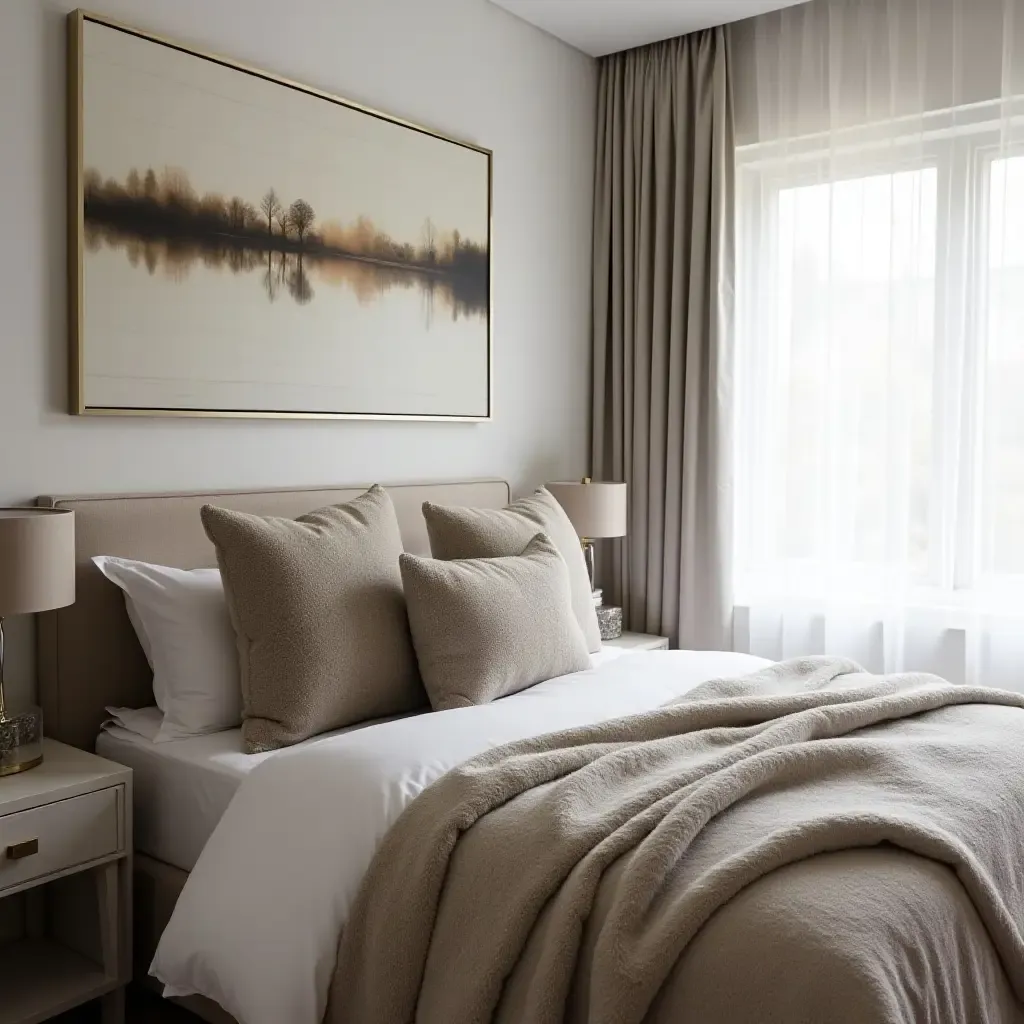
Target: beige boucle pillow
319 617
492 533
487 627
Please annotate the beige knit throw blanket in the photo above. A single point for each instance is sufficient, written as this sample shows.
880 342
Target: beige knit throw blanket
475 906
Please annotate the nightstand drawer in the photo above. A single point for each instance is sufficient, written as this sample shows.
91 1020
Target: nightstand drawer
53 837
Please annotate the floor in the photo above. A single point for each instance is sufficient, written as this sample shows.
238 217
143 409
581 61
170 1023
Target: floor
142 1007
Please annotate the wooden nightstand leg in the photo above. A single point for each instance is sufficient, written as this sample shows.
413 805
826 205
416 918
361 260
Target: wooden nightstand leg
106 898
112 1007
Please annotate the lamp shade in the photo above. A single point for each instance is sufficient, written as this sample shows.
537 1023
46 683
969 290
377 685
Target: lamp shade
37 560
594 509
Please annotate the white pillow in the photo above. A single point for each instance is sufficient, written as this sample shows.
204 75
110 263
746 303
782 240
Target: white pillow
144 722
140 629
182 622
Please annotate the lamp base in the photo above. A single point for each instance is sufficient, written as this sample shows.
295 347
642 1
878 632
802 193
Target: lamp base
609 618
609 621
21 741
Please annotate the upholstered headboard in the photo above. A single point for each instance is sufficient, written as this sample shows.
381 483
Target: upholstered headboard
88 654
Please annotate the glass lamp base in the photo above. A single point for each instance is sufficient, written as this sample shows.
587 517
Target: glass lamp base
609 620
21 741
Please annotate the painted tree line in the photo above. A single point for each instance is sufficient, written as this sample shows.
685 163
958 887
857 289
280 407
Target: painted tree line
298 216
167 205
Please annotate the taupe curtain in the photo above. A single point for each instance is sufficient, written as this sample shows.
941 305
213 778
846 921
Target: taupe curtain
663 275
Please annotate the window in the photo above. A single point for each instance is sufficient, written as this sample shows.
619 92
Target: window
880 365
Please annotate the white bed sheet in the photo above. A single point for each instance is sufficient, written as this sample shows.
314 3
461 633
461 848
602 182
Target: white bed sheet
183 787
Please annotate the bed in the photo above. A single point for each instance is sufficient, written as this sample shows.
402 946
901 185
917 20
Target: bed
89 659
861 930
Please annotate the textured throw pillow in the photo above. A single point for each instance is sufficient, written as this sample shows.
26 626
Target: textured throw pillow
494 533
487 627
319 616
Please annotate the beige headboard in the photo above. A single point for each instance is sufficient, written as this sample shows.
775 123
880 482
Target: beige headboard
88 654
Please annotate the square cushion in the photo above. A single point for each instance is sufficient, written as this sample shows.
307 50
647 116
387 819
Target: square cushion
319 618
495 533
487 627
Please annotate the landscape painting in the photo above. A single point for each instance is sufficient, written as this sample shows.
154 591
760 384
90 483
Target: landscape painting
241 245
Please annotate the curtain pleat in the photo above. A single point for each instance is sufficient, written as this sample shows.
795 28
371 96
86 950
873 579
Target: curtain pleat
663 284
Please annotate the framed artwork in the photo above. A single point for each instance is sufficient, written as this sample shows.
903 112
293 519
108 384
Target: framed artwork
242 245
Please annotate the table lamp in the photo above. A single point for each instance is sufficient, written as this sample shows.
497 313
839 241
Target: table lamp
37 574
596 511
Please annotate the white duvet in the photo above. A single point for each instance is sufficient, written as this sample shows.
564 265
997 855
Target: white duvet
257 926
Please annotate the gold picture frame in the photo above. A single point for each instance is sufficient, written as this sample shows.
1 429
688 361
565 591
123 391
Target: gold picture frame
458 268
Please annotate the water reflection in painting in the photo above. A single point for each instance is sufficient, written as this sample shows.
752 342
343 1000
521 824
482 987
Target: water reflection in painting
285 274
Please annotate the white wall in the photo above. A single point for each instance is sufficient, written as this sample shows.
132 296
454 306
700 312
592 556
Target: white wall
464 67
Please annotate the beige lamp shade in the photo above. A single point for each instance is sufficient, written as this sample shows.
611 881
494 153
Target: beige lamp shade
37 560
594 509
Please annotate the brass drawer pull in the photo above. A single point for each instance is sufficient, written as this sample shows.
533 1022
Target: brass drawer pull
26 849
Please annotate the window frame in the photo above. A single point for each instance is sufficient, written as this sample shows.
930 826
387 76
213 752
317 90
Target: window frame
985 154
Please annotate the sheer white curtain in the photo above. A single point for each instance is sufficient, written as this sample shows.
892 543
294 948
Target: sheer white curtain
880 335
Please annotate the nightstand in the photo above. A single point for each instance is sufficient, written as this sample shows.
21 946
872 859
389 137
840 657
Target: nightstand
65 886
638 642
